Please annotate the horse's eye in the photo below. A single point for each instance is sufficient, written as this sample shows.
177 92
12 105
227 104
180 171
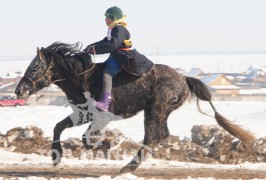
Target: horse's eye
34 70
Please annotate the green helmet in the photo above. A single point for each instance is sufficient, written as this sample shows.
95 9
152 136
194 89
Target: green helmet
114 13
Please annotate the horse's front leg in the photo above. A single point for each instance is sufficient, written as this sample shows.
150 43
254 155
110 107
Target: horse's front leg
56 145
92 137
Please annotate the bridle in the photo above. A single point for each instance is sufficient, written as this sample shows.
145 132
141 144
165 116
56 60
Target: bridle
49 77
45 73
43 76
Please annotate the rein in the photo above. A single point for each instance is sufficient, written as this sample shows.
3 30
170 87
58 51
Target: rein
88 70
51 82
49 78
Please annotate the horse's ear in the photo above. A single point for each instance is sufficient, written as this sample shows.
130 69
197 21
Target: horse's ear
40 54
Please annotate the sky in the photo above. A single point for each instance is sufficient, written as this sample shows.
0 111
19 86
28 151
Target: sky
156 26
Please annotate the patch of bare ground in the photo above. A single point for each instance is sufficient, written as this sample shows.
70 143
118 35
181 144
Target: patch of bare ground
208 145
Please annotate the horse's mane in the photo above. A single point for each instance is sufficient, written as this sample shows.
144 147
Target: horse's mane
64 49
70 56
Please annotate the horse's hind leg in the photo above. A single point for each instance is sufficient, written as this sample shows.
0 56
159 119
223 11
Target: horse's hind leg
167 97
56 146
156 128
155 131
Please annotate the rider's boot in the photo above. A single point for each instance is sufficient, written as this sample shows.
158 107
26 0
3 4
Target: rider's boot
104 103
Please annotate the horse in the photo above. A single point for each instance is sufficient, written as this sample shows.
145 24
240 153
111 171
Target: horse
157 93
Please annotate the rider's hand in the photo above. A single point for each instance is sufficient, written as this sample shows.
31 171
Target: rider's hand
90 50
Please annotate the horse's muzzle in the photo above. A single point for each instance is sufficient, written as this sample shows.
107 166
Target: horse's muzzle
22 93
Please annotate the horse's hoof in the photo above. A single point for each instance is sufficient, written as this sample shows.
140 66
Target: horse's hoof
55 163
129 168
56 157
88 147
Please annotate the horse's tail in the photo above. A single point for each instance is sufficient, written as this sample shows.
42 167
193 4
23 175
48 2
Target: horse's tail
202 92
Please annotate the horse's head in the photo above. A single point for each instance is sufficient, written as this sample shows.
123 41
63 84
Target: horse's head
37 76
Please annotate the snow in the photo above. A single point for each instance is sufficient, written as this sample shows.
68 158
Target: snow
226 63
252 91
9 158
225 87
250 115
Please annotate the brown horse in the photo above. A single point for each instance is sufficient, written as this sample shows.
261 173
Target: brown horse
158 93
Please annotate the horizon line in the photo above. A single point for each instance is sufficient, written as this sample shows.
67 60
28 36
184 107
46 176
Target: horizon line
252 52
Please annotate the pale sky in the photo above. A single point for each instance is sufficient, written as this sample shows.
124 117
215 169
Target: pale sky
156 26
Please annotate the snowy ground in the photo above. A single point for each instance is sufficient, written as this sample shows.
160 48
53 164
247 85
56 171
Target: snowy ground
33 161
250 115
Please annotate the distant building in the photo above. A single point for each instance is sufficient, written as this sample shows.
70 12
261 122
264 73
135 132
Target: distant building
257 69
181 71
8 88
195 72
255 77
11 77
220 84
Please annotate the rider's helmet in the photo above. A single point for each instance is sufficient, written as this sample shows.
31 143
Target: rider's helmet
114 13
